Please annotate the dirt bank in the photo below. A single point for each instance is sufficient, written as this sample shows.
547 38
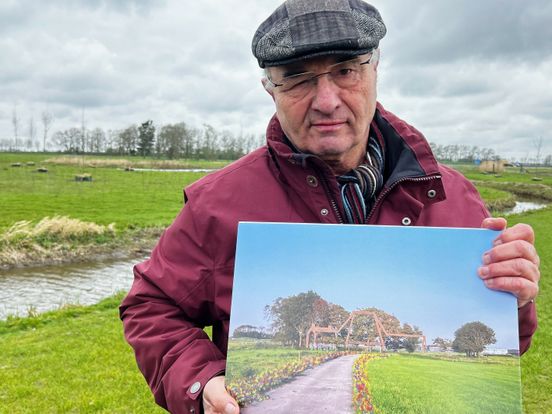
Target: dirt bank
132 243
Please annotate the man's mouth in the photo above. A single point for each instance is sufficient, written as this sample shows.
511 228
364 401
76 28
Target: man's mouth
328 126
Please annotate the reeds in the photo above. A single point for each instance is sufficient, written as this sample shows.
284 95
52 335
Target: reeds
50 239
58 227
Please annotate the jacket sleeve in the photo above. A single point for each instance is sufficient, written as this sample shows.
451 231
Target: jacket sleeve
527 320
169 304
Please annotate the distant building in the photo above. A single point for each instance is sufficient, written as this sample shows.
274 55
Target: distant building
493 166
438 348
495 351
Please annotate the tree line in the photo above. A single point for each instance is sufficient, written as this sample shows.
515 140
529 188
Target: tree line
462 153
180 140
170 141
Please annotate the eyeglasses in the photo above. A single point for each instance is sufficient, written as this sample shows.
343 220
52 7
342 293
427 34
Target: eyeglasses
344 74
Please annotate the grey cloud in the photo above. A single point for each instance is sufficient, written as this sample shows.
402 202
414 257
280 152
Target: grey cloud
437 31
481 73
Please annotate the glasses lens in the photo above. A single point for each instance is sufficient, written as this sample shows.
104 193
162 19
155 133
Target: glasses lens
297 83
346 74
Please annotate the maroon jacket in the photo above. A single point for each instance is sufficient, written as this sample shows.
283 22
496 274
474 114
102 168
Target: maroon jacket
187 283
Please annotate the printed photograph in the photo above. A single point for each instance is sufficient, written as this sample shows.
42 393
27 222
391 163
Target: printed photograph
369 319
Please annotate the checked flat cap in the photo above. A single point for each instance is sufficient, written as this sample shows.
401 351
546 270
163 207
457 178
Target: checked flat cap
300 29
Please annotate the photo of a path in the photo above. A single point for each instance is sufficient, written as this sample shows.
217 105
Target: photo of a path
329 384
331 334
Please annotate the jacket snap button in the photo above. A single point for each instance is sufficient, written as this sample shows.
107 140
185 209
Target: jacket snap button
406 221
312 181
195 387
324 211
431 193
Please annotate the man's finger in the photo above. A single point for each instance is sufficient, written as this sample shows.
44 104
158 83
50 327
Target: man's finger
216 399
512 250
517 268
525 290
518 232
494 223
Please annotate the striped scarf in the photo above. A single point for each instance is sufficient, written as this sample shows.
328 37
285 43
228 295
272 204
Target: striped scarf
360 186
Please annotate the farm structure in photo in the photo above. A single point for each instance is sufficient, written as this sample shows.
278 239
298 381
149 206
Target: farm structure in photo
378 342
307 320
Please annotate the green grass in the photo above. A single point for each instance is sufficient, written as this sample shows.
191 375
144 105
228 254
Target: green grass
510 175
251 357
71 361
421 384
536 365
128 199
497 200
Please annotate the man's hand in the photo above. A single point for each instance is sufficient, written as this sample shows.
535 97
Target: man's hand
216 399
512 265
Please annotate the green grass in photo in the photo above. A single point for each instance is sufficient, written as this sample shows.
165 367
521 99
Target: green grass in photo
251 357
420 384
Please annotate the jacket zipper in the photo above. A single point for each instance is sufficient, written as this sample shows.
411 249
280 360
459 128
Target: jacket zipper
333 203
330 198
386 191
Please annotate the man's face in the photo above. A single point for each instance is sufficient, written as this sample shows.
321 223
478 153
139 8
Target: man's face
329 121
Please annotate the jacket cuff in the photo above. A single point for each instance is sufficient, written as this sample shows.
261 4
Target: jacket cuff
190 401
527 320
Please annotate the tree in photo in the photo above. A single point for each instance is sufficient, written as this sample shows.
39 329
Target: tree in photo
411 343
443 343
471 338
250 331
292 316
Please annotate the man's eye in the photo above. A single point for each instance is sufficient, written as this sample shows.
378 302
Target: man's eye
344 72
293 83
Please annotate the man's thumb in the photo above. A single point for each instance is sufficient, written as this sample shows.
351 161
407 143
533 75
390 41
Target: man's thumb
230 409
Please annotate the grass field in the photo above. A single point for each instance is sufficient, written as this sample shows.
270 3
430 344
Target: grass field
77 361
71 361
423 384
261 359
130 199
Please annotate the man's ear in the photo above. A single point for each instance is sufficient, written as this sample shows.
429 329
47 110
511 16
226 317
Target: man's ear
267 87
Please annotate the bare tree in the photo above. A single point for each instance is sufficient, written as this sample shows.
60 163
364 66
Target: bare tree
96 140
32 132
15 122
537 143
47 119
83 134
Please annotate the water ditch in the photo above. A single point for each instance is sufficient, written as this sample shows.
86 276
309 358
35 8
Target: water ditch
526 205
39 289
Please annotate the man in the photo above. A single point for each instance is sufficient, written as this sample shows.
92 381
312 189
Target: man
333 155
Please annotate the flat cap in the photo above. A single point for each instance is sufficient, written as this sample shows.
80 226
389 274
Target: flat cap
300 29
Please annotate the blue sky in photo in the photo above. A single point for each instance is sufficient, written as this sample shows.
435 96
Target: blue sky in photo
424 276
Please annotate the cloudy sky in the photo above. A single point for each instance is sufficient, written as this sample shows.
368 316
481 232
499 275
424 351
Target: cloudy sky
469 72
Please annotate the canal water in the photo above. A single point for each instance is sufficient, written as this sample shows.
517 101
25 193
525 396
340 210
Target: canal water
523 206
46 288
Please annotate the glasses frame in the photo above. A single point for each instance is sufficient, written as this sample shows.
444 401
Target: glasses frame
315 76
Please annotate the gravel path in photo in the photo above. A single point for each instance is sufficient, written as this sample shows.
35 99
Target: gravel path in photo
326 388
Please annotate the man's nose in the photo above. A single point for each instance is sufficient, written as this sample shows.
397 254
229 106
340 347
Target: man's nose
326 95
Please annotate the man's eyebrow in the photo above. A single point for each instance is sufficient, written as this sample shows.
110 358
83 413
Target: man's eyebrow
294 71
